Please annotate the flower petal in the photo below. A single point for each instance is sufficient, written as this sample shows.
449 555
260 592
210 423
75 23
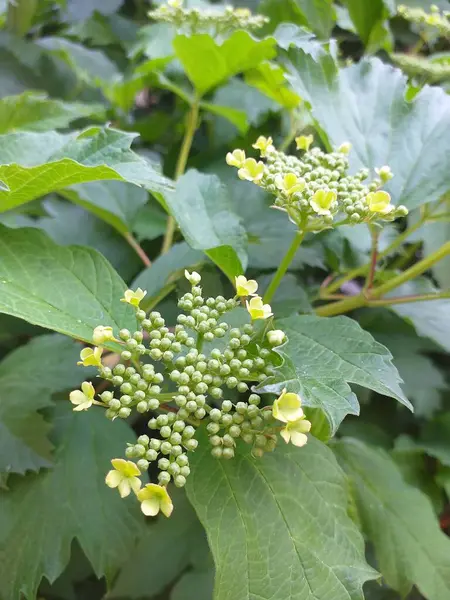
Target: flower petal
124 488
150 507
113 479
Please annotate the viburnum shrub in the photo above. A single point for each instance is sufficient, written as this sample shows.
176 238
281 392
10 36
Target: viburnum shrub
225 300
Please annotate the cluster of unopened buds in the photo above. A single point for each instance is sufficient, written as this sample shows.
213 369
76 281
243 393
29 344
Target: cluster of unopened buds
435 18
208 20
316 189
200 361
430 69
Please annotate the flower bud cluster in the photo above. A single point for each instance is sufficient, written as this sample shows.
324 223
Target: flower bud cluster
196 385
425 68
435 18
217 22
316 189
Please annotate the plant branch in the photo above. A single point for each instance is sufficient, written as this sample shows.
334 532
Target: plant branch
284 265
191 128
138 249
373 299
373 259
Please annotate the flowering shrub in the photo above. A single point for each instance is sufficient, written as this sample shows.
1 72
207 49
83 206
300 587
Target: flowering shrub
224 300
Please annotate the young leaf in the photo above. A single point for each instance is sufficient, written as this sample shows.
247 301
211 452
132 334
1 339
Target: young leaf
278 527
435 234
269 79
387 129
28 378
203 212
33 111
366 16
41 514
207 63
68 289
399 520
34 164
324 355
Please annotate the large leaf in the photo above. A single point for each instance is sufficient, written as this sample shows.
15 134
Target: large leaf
34 164
116 202
435 234
28 378
399 520
203 212
367 17
269 79
278 527
68 289
35 112
162 554
431 318
207 63
43 513
324 355
365 104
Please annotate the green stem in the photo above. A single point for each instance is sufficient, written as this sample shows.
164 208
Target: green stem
353 302
414 271
20 15
191 128
373 259
284 265
287 141
409 299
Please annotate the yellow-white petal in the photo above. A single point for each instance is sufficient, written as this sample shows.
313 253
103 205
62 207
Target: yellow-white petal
150 507
298 439
124 488
113 479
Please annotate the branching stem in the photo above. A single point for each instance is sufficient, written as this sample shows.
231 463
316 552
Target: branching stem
284 266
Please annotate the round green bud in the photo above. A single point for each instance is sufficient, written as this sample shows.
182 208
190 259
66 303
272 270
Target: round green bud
164 478
247 438
126 388
215 440
162 420
228 441
209 336
125 355
245 340
151 455
139 395
124 412
180 481
200 413
129 452
178 426
258 452
234 431
190 444
166 447
242 387
165 431
117 380
119 369
155 444
174 468
231 382
227 406
191 406
139 450
176 451
188 432
261 441
152 424
144 440
142 464
185 471
252 411
124 334
183 460
215 415
115 404
227 420
217 452
213 428
228 453
153 404
175 438
241 408
183 414
216 354
237 418
257 422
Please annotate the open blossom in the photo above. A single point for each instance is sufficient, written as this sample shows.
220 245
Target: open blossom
194 278
245 287
345 148
83 399
133 298
236 158
102 334
264 145
290 183
257 309
384 173
287 408
304 142
379 202
91 357
124 476
154 498
322 201
295 432
251 170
